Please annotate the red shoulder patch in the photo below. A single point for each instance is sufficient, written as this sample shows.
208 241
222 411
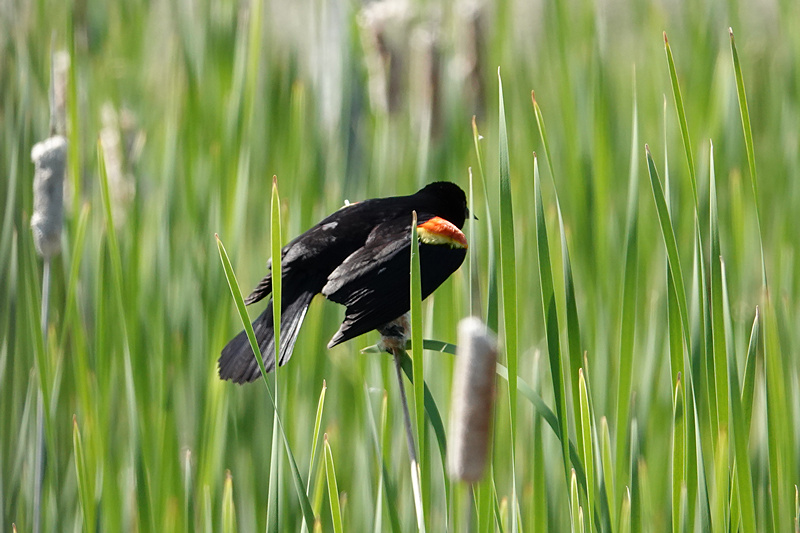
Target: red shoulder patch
441 232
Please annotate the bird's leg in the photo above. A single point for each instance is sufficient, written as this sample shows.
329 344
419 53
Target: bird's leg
395 334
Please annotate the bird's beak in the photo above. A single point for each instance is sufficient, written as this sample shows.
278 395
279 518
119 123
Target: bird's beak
471 215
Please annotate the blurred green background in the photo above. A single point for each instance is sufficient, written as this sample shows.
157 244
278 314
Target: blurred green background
196 104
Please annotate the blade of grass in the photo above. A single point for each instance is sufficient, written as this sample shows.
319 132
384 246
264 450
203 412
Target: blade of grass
551 318
188 490
748 381
608 472
744 481
539 520
381 444
587 450
668 233
333 489
376 442
315 438
673 313
472 257
796 509
144 503
779 451
779 441
628 314
85 492
573 325
508 280
500 510
718 358
277 277
720 497
236 293
700 363
678 287
275 467
72 323
574 503
384 454
418 365
692 355
492 298
747 130
72 284
480 498
687 143
625 512
719 344
695 456
228 508
635 514
273 493
678 454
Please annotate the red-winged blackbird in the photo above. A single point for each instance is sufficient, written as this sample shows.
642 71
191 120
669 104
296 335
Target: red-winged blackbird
358 257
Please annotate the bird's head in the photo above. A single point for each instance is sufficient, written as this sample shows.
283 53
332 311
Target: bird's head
447 200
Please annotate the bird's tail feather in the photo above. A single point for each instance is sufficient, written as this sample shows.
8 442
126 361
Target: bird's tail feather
237 361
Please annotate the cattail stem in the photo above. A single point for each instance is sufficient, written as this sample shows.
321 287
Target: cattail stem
412 452
38 466
49 158
398 359
40 446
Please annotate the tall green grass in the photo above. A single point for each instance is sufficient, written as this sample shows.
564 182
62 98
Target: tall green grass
634 396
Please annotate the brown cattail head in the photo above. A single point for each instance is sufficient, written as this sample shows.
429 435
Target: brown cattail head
473 400
50 159
473 53
385 25
121 184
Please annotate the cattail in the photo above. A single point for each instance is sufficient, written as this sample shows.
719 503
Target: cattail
426 78
49 158
473 400
385 26
121 185
473 53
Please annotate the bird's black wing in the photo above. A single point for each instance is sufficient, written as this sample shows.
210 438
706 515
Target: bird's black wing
373 282
263 289
327 243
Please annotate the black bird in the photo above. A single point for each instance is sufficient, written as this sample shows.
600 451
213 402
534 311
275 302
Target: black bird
358 257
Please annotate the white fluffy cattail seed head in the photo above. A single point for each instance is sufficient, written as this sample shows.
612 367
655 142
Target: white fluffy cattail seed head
49 158
473 400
